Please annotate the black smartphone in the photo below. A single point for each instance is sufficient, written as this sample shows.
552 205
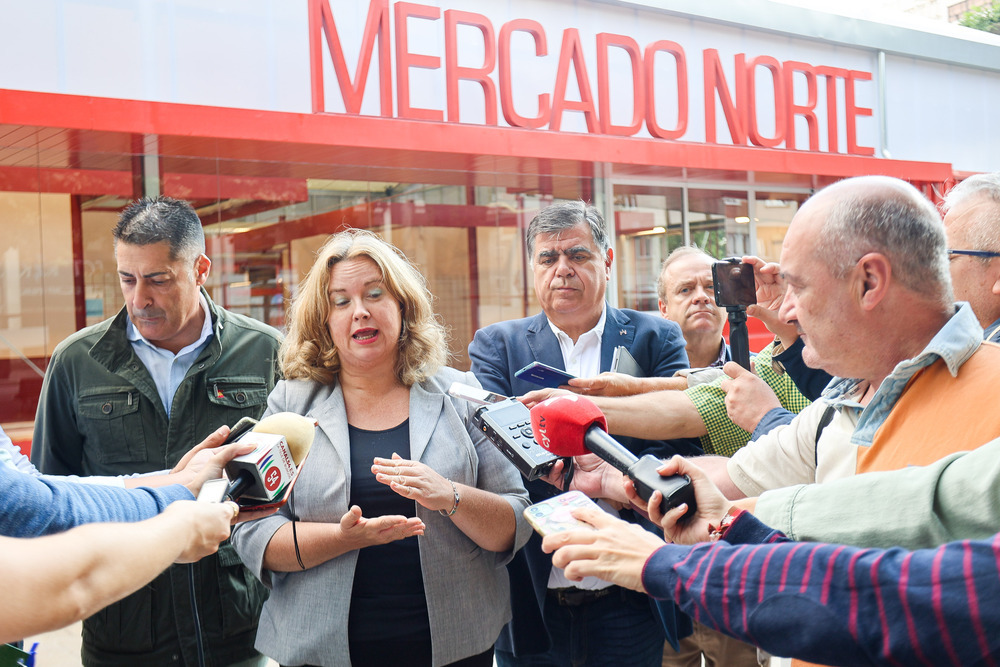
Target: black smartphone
733 282
239 428
543 375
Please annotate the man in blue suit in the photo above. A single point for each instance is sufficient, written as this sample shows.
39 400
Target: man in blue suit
555 621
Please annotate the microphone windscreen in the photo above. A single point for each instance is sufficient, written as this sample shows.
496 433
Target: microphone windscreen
561 422
299 432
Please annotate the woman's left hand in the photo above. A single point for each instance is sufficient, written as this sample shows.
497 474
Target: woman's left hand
416 481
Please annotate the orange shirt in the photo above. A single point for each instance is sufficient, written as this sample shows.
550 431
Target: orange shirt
938 414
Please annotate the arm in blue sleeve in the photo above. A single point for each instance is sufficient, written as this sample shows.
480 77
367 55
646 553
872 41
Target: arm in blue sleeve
839 605
34 506
775 417
810 381
489 364
672 355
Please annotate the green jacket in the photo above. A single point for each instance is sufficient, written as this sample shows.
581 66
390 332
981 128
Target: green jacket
99 414
919 507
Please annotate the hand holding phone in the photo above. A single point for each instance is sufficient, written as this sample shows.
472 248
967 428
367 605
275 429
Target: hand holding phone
555 514
213 490
734 283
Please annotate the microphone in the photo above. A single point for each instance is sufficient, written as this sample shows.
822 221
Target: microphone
571 425
283 440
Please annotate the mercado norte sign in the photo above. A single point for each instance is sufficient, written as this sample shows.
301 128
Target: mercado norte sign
763 101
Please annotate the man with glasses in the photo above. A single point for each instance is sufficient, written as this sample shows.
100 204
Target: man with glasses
972 223
935 497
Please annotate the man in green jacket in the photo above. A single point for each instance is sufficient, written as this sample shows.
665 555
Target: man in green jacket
132 394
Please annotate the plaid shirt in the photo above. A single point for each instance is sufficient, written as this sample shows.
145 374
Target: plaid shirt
724 437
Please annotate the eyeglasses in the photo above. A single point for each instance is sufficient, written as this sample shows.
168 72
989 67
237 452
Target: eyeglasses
974 253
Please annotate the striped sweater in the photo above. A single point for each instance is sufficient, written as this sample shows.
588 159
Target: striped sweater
839 605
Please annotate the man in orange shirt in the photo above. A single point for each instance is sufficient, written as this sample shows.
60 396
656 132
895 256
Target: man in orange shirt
865 279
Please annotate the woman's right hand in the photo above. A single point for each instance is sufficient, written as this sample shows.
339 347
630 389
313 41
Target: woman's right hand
360 532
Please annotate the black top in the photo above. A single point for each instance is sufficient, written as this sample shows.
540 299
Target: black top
388 601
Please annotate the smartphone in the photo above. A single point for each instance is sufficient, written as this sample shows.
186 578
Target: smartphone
733 282
474 394
623 362
213 490
239 428
553 515
544 375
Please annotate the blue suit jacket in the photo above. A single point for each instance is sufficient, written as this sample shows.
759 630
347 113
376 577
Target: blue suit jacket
500 350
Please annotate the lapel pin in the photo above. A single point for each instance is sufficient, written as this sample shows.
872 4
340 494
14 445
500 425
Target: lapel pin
622 332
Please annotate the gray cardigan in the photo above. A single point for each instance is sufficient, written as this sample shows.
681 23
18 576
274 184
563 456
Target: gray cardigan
305 618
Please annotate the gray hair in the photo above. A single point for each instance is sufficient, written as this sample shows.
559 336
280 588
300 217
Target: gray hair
155 219
566 215
893 218
676 254
983 231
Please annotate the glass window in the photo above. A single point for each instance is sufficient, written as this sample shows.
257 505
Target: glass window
649 226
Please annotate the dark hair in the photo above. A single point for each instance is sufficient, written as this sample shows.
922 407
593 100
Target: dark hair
155 219
566 215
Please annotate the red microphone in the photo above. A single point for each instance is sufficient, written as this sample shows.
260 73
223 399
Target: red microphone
571 425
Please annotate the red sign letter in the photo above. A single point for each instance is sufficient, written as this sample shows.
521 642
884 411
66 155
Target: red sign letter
631 47
674 49
321 19
807 110
405 60
481 75
852 111
715 80
572 52
831 74
773 66
536 30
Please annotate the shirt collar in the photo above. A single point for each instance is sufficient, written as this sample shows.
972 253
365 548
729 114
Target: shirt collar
954 343
993 332
724 355
598 329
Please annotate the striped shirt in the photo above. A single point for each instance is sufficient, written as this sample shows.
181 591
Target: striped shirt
839 605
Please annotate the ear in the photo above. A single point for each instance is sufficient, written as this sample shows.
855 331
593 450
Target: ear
607 263
663 308
994 275
872 273
202 267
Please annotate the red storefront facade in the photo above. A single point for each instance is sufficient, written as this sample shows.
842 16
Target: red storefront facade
437 127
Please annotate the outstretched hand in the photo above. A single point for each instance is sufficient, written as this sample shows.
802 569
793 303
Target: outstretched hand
533 398
211 463
592 476
748 398
712 505
614 550
358 531
606 384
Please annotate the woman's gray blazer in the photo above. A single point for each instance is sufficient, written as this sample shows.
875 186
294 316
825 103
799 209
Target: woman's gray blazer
305 618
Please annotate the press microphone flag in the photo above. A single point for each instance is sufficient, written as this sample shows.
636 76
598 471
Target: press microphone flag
572 425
